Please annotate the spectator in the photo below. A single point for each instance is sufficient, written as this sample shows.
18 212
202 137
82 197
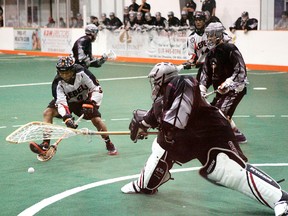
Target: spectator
94 20
244 23
134 6
160 21
150 20
139 19
209 19
115 22
80 22
73 23
104 20
1 17
209 5
62 24
184 21
283 22
126 15
172 20
51 23
132 20
144 7
190 9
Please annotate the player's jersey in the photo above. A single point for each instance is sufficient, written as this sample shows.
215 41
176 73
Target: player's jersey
197 46
83 87
82 49
194 125
222 62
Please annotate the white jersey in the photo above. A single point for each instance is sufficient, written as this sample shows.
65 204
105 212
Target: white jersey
84 87
197 47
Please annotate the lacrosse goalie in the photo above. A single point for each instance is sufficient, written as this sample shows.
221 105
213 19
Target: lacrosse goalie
75 90
190 128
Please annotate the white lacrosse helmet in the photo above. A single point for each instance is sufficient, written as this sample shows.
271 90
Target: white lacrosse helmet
160 74
214 32
92 30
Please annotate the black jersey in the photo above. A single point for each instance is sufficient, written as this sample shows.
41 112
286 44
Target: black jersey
249 24
222 62
161 23
115 22
208 5
174 21
194 125
82 49
134 7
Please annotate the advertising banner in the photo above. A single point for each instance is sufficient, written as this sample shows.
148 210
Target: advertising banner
153 44
27 39
56 40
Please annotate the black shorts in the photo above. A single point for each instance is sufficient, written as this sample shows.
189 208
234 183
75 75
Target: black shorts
227 103
75 108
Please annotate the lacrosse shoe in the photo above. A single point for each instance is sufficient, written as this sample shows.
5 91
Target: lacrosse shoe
240 137
131 188
111 149
281 208
39 148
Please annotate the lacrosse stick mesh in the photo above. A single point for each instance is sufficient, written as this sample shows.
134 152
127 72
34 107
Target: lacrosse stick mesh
34 131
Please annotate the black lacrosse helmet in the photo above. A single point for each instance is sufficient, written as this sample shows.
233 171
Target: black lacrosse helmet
65 63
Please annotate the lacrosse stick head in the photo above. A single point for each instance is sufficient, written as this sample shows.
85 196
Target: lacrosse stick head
48 155
111 55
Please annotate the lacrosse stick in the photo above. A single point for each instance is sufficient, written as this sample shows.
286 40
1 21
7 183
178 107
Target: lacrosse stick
49 154
210 93
111 55
97 62
34 131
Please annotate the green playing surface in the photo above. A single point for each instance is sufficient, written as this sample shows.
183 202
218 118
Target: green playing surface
83 180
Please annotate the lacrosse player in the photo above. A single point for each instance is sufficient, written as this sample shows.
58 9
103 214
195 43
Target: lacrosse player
224 68
190 128
75 90
82 49
197 42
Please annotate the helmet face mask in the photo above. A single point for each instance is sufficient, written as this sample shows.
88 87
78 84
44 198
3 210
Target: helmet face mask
160 75
214 32
91 30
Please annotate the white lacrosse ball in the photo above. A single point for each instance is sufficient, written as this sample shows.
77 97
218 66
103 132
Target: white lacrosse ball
31 170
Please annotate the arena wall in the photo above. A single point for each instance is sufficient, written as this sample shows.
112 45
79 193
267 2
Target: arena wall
265 50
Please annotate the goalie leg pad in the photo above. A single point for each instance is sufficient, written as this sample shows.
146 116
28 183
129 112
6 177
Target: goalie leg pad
226 168
155 173
156 170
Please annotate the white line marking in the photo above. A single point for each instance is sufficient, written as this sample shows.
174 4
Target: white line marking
17 125
28 84
3 127
284 116
120 119
260 88
49 83
267 73
265 116
50 200
241 116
